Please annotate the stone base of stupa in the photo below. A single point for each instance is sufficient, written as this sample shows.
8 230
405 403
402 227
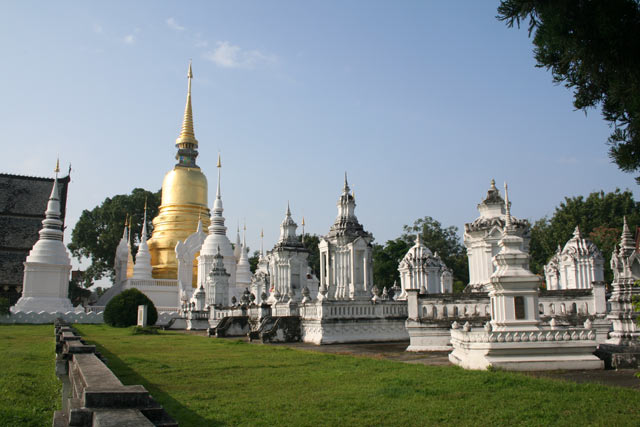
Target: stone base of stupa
543 350
40 304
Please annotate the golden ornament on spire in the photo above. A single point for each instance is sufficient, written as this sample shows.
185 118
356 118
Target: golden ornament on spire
219 165
187 138
57 169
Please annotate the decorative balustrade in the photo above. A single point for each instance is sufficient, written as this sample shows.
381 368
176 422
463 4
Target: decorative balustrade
354 309
430 309
571 334
140 283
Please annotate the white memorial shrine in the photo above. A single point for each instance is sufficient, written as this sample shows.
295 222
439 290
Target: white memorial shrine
515 339
46 271
422 270
288 264
346 270
576 266
622 349
481 238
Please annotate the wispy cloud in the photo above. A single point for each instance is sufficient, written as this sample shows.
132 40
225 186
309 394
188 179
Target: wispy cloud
227 55
173 24
129 39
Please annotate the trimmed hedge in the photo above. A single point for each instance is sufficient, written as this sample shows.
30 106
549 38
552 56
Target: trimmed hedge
122 310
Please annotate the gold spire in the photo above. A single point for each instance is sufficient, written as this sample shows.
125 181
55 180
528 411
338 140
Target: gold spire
187 138
57 169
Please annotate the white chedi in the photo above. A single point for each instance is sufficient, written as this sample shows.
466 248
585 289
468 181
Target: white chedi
421 269
576 266
46 270
243 269
142 268
217 242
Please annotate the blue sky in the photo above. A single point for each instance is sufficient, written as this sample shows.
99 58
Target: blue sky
421 102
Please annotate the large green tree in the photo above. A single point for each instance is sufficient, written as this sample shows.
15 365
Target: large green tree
445 241
599 216
98 231
593 48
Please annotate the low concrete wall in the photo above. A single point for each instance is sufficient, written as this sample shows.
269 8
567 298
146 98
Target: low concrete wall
92 395
32 317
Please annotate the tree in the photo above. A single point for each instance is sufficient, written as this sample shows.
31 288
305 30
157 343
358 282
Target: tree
599 217
253 261
445 241
122 310
593 47
98 231
311 242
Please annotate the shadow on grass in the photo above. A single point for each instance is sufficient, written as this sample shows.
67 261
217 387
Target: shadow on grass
183 415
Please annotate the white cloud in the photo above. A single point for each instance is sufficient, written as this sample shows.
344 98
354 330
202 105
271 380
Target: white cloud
171 22
227 55
129 39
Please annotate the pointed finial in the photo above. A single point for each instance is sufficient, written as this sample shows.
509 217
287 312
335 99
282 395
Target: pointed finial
303 220
576 232
261 241
345 189
288 209
507 208
244 235
199 229
187 139
57 169
493 184
219 166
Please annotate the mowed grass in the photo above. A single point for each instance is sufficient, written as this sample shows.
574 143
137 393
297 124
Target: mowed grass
205 381
29 389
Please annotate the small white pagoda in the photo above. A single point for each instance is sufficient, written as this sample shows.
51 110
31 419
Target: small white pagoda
421 269
346 270
217 283
216 243
576 266
515 339
481 238
46 270
288 264
243 268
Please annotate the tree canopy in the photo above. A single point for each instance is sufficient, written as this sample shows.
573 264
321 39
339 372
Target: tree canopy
593 47
599 217
98 231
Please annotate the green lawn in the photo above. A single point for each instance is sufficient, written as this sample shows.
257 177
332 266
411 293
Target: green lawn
29 389
204 381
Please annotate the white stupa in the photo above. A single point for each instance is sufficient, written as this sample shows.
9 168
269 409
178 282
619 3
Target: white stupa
243 272
142 268
46 271
217 241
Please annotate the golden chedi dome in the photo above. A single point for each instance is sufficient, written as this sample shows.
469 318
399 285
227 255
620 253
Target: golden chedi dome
184 201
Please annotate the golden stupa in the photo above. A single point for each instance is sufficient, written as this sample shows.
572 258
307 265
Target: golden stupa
184 201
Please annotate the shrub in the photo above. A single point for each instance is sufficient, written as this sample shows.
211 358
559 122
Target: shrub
147 330
122 310
4 306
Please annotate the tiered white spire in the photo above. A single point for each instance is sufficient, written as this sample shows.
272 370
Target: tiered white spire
243 274
288 227
46 269
142 268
